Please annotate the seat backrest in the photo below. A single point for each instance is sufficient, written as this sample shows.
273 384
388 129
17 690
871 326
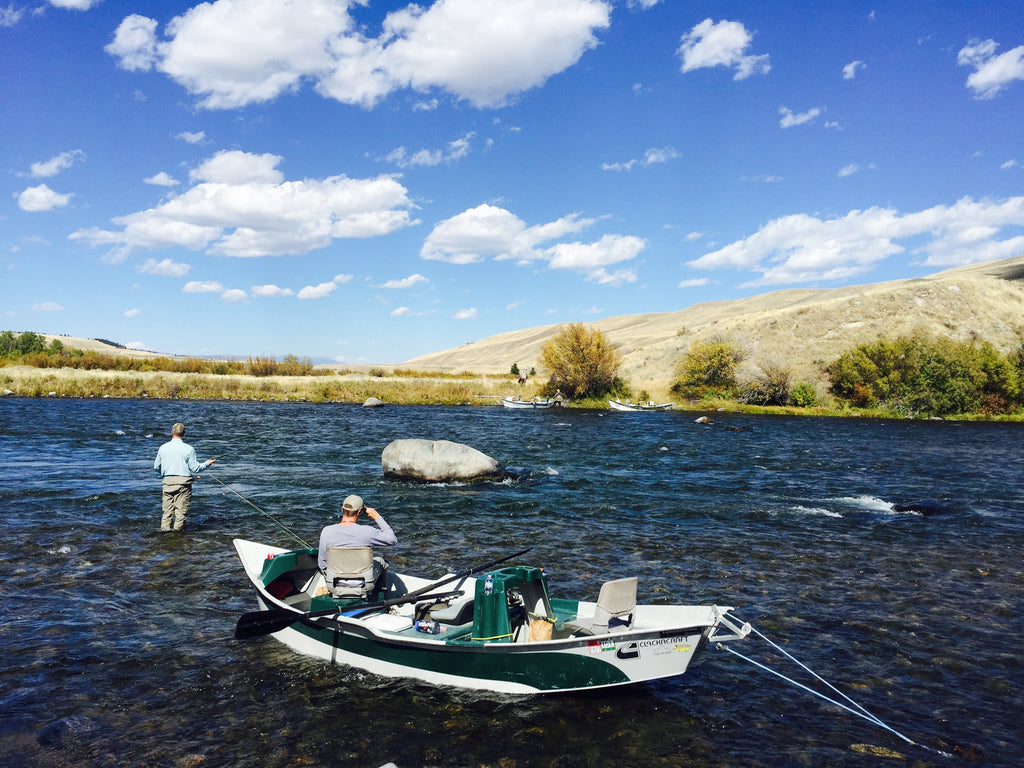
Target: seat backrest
616 600
349 571
349 561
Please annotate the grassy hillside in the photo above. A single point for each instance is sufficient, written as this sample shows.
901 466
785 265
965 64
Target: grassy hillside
800 329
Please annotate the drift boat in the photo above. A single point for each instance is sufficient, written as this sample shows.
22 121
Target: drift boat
617 405
501 632
515 402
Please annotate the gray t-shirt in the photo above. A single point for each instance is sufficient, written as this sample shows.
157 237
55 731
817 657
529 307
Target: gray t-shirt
355 535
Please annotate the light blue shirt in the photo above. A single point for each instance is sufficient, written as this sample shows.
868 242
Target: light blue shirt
176 458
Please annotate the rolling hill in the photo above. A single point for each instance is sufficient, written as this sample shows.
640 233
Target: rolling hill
799 329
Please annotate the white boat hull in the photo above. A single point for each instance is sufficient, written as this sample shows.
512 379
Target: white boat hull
661 642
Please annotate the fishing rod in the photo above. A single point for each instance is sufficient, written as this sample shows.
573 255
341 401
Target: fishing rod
263 512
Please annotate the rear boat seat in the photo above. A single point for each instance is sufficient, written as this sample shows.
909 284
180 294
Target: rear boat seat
459 611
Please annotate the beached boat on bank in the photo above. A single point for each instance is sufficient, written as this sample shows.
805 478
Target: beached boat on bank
650 405
502 632
515 402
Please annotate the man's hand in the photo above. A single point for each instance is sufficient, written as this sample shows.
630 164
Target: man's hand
372 513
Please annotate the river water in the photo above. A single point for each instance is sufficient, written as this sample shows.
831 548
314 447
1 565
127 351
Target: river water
117 640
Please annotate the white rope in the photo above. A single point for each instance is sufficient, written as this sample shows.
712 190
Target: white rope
860 711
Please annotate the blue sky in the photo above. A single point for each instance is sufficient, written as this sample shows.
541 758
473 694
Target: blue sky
366 181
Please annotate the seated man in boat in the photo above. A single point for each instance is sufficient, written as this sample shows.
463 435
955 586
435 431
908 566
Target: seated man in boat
348 533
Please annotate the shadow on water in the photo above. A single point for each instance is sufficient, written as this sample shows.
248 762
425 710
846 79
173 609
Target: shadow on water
118 646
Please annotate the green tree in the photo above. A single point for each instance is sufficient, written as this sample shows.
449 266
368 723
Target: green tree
8 343
582 362
708 369
29 342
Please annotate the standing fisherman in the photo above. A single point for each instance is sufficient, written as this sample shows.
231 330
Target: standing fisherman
178 466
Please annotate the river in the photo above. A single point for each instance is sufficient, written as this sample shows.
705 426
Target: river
117 639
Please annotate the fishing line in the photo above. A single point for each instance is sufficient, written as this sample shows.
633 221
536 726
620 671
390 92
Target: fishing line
263 512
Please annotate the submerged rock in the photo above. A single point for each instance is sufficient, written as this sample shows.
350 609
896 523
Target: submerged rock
373 402
436 461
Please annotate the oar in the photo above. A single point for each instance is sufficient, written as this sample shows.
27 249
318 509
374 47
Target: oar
260 623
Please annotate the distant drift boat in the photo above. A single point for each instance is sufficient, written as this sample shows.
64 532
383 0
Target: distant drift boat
500 633
515 402
617 405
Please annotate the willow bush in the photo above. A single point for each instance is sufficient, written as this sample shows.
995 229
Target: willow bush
582 363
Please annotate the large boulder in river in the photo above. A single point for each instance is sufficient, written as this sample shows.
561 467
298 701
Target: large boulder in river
436 461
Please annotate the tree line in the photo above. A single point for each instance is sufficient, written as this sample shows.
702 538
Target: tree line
32 350
918 375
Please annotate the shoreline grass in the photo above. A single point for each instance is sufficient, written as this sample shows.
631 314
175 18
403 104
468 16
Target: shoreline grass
400 387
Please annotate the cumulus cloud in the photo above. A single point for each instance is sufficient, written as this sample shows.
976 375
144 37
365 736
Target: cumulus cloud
489 231
75 5
56 164
134 312
270 291
202 286
48 306
991 72
850 70
722 44
651 157
790 118
323 290
234 296
241 205
406 282
483 51
801 248
164 268
162 179
401 312
41 198
470 313
191 138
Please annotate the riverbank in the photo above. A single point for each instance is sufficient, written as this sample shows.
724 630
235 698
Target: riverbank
406 387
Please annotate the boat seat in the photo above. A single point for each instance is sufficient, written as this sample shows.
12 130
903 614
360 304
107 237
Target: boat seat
352 571
616 604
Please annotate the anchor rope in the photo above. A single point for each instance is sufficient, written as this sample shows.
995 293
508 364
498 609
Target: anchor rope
860 711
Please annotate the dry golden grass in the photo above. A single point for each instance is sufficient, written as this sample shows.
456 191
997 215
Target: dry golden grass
802 330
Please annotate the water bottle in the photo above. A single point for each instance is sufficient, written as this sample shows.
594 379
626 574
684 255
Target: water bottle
489 585
430 627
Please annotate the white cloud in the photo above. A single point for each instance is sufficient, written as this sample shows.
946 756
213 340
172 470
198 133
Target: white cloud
802 248
991 73
48 306
162 179
41 198
789 118
1012 163
848 170
234 296
696 282
850 70
401 312
191 138
75 5
56 164
471 313
483 51
135 312
406 282
495 232
651 157
134 44
242 206
323 290
10 16
164 268
721 45
454 150
270 291
202 286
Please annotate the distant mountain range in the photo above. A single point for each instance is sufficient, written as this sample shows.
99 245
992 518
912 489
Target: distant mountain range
799 329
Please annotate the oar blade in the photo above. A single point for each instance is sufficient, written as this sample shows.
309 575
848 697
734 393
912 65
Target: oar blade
260 623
